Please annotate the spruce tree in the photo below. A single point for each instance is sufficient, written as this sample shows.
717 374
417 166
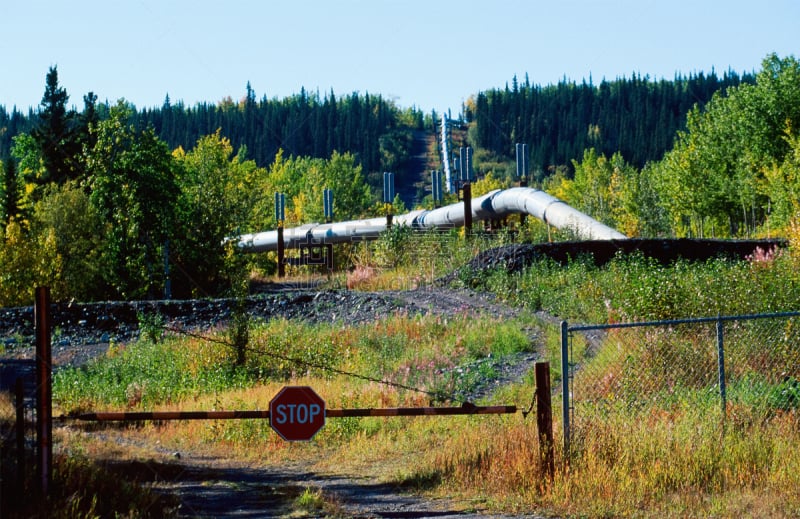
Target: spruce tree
56 135
10 191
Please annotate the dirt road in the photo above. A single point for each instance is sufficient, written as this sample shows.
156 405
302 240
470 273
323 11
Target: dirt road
205 486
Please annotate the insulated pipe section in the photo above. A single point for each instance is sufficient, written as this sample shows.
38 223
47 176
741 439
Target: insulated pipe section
314 233
552 211
525 200
497 204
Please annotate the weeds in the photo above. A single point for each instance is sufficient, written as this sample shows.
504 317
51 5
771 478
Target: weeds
636 288
650 442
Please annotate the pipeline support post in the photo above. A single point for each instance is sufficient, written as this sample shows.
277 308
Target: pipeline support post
280 217
467 190
281 252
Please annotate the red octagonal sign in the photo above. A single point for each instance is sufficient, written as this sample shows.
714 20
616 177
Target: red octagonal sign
297 413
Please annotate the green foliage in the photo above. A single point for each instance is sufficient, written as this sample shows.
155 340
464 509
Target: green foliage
151 326
782 186
343 175
635 116
487 184
284 350
57 135
66 213
134 188
303 180
394 148
27 261
30 169
218 193
146 374
712 181
393 247
428 352
635 288
305 124
10 192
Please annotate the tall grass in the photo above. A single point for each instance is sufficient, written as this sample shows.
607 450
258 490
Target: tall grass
669 456
425 352
635 288
144 374
652 464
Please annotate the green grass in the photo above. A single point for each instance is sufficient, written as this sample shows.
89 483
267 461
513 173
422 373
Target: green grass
649 438
635 288
412 351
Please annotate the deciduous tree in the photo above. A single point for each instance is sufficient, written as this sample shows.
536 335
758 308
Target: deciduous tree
134 189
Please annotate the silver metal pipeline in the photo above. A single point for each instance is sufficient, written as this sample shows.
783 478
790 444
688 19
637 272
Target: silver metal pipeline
494 205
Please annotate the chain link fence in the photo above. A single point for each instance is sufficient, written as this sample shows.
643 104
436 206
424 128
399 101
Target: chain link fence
724 365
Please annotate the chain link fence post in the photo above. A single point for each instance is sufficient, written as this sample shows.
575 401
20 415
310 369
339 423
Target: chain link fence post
565 400
721 364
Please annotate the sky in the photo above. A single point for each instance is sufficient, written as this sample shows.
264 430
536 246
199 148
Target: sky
428 54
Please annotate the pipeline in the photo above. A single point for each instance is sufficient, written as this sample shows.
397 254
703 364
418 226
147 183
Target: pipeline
494 205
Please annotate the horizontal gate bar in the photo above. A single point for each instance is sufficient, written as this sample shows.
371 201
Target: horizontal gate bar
333 413
422 411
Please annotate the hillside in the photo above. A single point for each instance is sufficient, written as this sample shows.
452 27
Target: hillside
636 116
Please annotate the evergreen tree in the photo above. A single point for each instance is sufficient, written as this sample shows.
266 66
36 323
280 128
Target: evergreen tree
88 120
9 192
56 134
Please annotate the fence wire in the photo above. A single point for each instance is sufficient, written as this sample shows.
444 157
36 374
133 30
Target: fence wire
711 365
260 349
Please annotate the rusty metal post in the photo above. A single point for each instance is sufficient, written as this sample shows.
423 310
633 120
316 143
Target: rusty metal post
44 385
544 419
467 189
20 430
281 252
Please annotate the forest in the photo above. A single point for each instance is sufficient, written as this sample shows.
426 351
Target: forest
635 116
112 201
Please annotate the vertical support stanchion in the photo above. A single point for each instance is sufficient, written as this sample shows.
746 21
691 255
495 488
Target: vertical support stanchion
327 204
388 197
721 364
280 216
522 172
544 419
281 252
467 189
20 431
565 397
44 401
465 175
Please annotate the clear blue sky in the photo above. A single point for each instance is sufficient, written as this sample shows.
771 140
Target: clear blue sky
432 54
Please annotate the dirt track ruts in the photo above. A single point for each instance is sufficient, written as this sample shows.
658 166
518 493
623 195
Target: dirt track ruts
215 487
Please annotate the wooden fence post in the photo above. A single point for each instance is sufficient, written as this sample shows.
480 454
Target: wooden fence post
44 395
544 419
20 431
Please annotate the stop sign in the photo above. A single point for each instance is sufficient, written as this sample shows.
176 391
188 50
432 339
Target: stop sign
296 413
